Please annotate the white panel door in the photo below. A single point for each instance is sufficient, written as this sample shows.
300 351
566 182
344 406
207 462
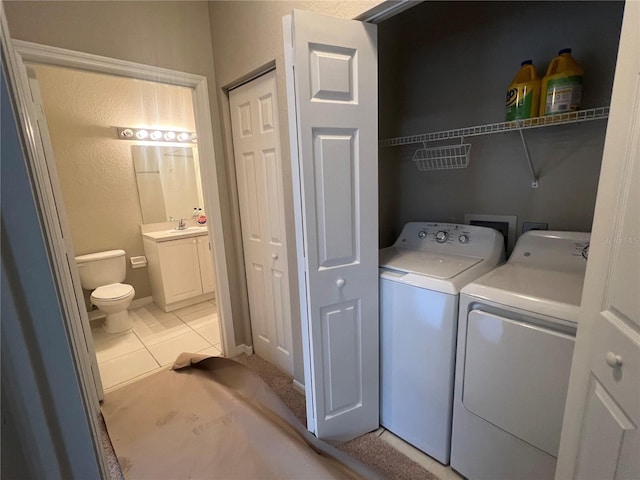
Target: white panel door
332 69
256 145
600 436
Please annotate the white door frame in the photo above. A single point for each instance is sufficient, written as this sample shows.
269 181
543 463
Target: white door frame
46 412
47 55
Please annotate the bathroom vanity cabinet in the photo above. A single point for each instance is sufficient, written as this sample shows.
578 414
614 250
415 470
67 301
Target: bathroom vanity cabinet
207 277
180 268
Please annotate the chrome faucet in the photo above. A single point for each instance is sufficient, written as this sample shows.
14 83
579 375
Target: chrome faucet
181 225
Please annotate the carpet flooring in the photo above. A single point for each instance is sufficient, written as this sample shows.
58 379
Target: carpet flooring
368 448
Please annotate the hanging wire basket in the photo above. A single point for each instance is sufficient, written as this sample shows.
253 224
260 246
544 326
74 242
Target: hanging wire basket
446 157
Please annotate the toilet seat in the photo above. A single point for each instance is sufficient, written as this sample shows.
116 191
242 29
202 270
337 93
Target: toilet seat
112 292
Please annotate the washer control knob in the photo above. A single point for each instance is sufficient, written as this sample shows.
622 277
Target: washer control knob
422 234
441 236
463 238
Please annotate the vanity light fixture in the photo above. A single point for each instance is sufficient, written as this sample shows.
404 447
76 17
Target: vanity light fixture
156 135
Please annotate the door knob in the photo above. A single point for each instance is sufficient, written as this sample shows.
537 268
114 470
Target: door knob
613 360
340 282
274 256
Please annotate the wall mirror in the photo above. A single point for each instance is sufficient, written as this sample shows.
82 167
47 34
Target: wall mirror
168 179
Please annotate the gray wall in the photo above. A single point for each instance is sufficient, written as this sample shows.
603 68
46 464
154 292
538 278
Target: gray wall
446 65
13 465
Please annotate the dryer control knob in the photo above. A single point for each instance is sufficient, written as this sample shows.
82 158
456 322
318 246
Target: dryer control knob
422 234
463 238
441 236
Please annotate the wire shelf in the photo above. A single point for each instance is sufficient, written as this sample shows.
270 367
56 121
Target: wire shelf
536 122
447 157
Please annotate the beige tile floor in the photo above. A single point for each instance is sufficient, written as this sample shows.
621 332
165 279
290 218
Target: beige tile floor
155 341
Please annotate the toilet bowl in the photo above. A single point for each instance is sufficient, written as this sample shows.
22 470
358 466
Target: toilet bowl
102 273
114 300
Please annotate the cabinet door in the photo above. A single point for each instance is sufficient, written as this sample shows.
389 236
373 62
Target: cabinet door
180 269
207 277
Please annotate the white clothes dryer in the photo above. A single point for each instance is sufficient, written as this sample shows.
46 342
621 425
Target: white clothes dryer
420 279
516 334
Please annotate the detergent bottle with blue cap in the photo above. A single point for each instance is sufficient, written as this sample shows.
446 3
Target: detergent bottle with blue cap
523 93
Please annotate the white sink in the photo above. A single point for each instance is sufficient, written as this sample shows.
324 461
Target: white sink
187 230
174 233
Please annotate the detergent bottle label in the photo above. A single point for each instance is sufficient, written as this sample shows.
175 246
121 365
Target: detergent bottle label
519 102
564 94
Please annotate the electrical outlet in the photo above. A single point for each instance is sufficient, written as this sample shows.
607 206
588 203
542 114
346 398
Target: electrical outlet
526 226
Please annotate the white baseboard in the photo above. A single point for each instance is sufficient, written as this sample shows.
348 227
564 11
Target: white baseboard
298 387
246 349
238 349
96 315
141 302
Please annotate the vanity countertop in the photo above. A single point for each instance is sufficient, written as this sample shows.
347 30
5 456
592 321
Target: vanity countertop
173 234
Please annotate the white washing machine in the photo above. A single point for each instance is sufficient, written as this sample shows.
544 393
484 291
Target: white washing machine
516 335
420 279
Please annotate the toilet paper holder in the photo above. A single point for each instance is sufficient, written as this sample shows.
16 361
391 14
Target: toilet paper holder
138 262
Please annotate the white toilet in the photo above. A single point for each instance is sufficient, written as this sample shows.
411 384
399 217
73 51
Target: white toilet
102 272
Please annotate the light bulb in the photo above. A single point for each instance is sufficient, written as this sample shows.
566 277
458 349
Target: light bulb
168 136
194 137
183 136
142 134
127 133
157 135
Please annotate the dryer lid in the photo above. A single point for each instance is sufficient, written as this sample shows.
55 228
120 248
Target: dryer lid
114 291
437 265
545 274
552 293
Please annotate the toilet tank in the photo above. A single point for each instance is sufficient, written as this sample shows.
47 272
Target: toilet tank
101 268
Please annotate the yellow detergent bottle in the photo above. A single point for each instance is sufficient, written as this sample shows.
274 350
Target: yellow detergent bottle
523 93
562 85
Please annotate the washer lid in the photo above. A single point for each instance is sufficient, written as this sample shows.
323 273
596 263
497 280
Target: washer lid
443 265
548 292
114 291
